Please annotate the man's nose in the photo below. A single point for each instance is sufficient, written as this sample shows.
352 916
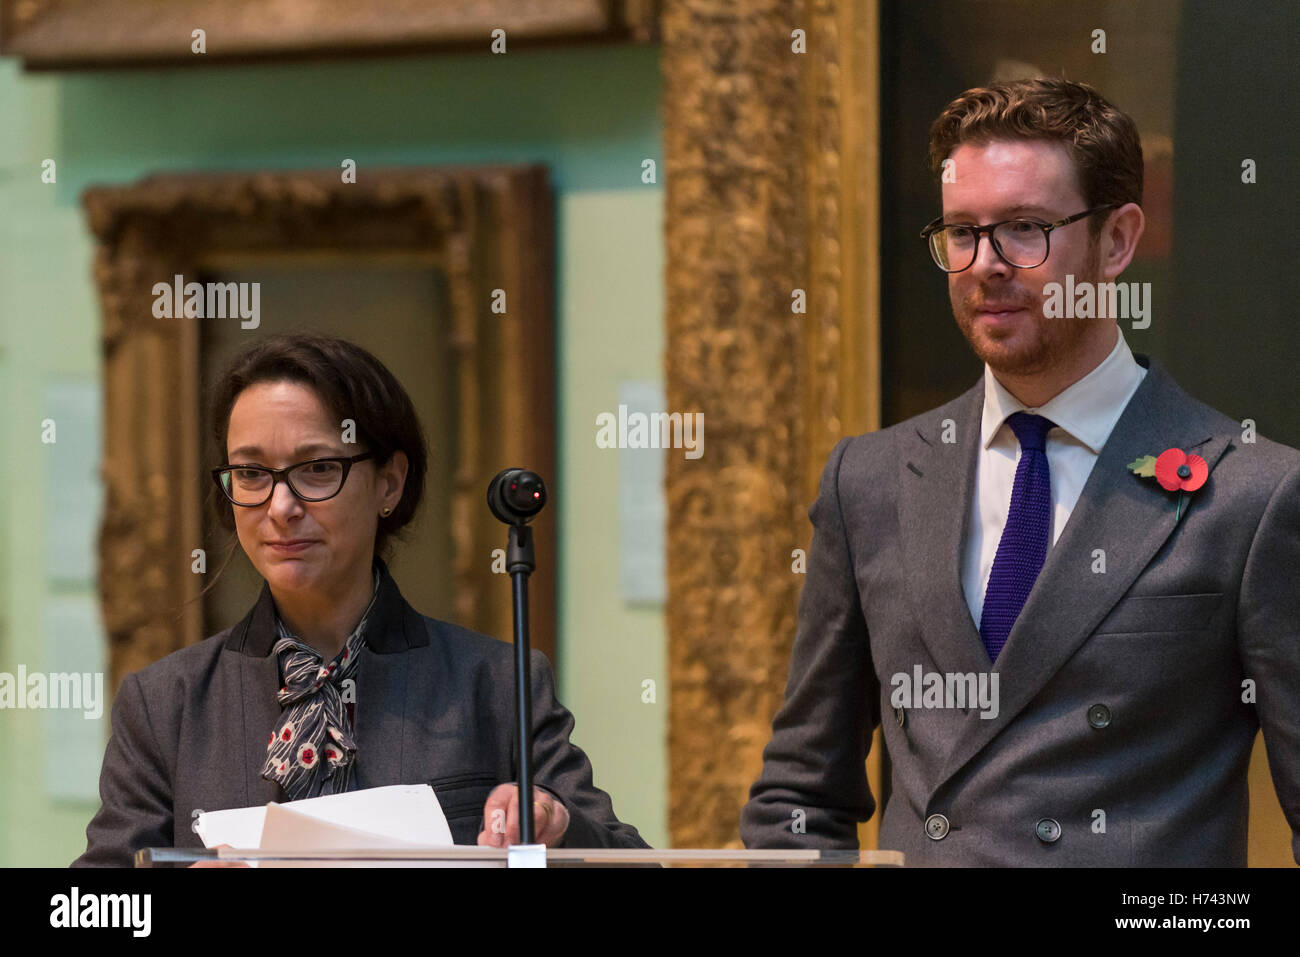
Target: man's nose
987 261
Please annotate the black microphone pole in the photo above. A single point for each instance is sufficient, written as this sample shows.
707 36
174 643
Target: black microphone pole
515 496
520 564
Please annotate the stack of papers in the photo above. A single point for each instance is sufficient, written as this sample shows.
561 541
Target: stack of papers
400 816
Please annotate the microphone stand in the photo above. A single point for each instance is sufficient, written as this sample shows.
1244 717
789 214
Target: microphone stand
515 496
520 563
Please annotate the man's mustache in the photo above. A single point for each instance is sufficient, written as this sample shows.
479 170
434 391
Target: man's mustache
998 303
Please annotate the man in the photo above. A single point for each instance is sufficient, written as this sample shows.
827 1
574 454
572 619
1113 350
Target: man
1071 657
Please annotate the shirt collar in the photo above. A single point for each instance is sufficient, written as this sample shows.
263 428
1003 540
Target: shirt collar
1088 409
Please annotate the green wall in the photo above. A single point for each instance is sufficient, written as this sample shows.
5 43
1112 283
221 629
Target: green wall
589 113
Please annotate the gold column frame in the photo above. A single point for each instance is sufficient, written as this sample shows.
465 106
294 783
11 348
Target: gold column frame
772 179
486 227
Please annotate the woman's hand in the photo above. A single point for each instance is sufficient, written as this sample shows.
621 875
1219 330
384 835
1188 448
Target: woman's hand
501 817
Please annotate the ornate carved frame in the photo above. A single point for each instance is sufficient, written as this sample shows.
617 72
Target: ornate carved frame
772 186
62 34
486 227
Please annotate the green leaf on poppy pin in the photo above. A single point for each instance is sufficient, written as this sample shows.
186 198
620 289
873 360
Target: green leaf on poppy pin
1144 466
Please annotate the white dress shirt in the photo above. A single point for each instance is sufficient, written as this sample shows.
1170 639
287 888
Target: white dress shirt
1084 413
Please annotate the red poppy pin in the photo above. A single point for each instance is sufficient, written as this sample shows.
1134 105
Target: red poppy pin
1175 470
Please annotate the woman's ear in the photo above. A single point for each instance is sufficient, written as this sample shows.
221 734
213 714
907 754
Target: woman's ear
393 478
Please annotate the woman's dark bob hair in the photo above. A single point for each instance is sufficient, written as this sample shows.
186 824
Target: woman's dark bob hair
352 384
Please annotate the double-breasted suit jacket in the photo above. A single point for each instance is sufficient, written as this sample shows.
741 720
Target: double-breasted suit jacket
1148 653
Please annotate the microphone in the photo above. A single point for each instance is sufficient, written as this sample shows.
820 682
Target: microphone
515 496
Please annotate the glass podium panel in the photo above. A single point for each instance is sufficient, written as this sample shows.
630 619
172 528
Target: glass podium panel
516 856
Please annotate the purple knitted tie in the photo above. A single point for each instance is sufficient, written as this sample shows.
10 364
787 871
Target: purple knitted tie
1023 547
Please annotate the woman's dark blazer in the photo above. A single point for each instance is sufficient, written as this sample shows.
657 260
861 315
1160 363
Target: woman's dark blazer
434 704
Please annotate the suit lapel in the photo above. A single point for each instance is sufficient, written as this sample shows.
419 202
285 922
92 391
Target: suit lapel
259 680
1126 517
382 689
387 702
937 483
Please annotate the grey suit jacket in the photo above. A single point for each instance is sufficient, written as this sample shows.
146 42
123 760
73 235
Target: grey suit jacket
1121 737
435 705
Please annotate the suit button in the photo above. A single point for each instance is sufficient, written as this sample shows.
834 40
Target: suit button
1099 716
900 716
936 827
1047 831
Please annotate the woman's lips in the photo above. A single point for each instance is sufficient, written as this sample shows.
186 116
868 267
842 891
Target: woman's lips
290 549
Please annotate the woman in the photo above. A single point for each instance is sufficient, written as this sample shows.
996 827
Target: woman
332 682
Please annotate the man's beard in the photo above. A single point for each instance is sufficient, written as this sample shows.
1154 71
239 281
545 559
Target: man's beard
1049 341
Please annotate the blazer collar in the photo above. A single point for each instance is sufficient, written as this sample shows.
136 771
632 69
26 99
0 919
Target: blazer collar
394 626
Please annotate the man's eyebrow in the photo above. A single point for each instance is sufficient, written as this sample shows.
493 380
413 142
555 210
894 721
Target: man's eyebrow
307 449
1009 213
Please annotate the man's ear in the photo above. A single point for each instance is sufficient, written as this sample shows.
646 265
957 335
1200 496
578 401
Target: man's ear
1119 239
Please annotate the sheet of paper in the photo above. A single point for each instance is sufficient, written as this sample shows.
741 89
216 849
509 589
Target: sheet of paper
287 830
239 827
401 815
403 812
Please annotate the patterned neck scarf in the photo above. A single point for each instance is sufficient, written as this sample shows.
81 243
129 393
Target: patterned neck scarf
311 749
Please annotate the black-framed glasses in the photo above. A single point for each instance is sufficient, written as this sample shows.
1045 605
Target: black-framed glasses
1022 243
312 481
